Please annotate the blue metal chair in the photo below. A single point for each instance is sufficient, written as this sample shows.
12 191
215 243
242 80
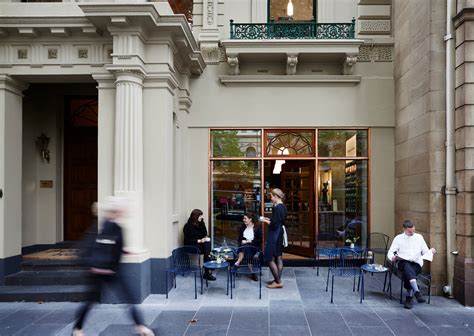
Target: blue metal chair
251 264
344 264
185 260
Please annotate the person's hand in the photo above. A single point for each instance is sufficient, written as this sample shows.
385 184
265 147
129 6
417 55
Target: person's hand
265 219
394 258
433 250
207 239
244 241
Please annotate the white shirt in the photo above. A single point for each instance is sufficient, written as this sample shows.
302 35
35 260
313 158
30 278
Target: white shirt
248 234
411 248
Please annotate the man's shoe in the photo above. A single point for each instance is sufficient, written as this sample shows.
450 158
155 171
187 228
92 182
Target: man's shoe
419 297
209 277
408 302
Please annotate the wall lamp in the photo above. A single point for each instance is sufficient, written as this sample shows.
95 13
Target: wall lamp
43 142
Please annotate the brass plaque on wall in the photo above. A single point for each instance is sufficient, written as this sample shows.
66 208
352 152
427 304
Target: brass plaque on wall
46 183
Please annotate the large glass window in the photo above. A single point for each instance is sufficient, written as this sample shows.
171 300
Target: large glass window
326 189
342 143
236 143
343 201
236 189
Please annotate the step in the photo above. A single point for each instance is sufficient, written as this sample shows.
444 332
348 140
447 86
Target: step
49 278
46 293
52 265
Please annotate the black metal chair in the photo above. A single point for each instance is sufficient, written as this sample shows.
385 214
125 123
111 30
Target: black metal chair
323 248
344 264
185 260
424 276
378 244
250 265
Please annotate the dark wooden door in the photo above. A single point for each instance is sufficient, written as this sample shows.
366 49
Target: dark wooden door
80 165
297 179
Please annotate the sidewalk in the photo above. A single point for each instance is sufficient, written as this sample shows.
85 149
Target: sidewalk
301 308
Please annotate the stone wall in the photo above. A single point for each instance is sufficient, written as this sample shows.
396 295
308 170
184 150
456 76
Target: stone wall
464 118
420 124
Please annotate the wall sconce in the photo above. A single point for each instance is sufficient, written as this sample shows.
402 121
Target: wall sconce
43 142
289 9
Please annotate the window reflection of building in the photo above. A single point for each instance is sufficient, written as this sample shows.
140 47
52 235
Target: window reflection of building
303 10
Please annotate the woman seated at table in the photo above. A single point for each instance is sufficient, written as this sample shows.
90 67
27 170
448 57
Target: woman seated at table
249 235
195 234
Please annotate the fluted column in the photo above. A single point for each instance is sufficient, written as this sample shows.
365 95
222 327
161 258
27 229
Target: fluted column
128 163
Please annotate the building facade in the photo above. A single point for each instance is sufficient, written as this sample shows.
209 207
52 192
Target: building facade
131 99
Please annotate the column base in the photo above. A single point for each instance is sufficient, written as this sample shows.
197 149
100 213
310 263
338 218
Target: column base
158 274
463 283
136 276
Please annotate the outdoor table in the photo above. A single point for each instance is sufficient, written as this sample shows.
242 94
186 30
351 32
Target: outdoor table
373 269
214 265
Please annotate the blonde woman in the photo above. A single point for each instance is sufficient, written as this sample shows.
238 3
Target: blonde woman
274 245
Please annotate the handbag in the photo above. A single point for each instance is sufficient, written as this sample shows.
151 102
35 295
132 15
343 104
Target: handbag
285 236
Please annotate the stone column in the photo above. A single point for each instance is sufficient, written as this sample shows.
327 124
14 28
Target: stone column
128 163
10 175
464 118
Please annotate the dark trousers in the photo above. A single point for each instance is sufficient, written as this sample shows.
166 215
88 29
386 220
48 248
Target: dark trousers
409 270
205 250
99 282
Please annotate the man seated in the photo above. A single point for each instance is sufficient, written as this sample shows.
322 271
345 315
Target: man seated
407 251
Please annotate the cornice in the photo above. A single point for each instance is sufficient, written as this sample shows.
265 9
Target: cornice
12 85
466 14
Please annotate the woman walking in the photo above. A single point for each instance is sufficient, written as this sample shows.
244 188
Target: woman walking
274 246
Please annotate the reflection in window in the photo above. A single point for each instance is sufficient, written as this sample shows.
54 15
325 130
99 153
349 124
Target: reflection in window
343 198
292 10
183 7
290 143
235 143
342 143
235 190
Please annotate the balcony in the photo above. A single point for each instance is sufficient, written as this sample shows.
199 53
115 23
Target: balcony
291 30
285 52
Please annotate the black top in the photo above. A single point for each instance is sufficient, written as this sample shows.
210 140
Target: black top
257 239
278 217
107 246
194 232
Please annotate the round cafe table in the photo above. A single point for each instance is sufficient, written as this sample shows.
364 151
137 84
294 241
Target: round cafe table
374 269
214 265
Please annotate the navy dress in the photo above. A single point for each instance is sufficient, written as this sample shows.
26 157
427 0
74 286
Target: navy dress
274 245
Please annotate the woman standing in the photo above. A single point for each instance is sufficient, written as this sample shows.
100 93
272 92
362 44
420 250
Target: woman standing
249 235
195 234
274 245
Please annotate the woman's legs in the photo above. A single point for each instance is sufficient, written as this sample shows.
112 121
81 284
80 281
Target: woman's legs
274 270
239 260
280 266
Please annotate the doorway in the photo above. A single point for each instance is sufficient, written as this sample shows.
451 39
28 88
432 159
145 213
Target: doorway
296 178
80 165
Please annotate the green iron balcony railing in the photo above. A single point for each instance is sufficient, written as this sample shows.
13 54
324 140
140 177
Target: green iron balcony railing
291 30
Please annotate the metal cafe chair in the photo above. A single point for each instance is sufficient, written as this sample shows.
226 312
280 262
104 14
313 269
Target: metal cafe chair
345 264
250 265
378 243
424 276
185 260
323 249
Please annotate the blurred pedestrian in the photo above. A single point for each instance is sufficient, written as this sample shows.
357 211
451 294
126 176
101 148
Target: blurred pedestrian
104 260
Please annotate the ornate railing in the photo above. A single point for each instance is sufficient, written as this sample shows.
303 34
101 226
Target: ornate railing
291 30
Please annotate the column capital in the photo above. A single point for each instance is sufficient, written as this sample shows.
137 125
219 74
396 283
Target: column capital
104 80
12 85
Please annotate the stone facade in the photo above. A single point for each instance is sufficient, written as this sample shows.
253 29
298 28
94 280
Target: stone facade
420 124
464 119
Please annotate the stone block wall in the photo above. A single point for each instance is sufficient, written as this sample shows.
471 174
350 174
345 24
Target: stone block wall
420 124
464 119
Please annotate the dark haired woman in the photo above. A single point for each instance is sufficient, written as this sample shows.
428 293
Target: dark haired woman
249 235
195 234
274 246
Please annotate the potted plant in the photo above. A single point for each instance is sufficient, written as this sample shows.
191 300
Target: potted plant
352 241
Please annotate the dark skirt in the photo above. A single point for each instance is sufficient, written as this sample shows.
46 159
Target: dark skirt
274 245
